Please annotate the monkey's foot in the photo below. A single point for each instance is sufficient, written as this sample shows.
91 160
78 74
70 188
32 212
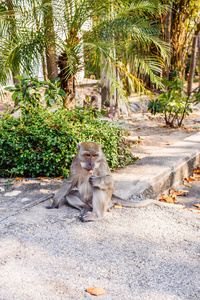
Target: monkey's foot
52 206
89 216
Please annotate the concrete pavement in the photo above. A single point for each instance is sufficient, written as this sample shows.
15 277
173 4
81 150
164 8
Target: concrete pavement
142 254
152 175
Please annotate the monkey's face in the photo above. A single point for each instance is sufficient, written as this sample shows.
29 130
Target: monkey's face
89 155
89 161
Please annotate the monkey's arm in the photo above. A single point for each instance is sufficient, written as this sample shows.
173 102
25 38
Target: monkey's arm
102 182
61 193
119 201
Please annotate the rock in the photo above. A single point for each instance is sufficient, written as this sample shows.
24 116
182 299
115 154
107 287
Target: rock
135 107
13 193
44 191
25 199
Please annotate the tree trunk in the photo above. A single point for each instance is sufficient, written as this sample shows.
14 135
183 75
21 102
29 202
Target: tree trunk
51 58
199 56
68 84
193 60
105 89
168 19
44 66
12 33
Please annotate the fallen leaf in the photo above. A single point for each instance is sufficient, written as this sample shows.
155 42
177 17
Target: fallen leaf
19 178
179 192
197 205
41 178
185 182
97 291
168 198
60 177
183 192
191 179
196 175
118 206
194 210
163 198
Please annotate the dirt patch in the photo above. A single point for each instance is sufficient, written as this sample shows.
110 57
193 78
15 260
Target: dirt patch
150 133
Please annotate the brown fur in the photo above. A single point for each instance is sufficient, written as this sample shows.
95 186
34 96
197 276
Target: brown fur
94 192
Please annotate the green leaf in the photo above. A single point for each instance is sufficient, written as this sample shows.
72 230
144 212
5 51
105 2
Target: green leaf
10 88
61 92
15 95
51 102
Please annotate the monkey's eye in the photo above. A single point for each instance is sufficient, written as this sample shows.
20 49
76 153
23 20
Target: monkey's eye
87 155
95 156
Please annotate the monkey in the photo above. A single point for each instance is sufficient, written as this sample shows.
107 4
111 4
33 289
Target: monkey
90 185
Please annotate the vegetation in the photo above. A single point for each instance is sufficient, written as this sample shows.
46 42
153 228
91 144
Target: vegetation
130 45
121 37
28 93
174 103
44 143
179 26
127 43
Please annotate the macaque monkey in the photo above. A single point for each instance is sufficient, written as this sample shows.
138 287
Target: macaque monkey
90 185
91 176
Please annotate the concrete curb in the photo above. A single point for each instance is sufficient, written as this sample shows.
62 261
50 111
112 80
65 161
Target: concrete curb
152 175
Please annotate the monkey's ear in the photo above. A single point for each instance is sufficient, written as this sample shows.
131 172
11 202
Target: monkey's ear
78 146
100 146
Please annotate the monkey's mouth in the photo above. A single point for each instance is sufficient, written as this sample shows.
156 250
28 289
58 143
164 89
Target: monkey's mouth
89 169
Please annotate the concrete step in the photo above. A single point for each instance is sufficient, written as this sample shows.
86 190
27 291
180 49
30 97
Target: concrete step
152 175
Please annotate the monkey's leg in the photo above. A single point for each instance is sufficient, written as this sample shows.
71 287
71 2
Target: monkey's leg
59 199
100 202
74 199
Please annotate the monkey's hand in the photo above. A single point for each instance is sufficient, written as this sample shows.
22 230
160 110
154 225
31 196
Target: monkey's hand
94 180
102 182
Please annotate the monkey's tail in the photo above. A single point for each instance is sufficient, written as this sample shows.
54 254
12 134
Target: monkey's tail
119 201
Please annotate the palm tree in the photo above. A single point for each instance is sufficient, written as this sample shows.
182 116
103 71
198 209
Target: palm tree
133 45
123 37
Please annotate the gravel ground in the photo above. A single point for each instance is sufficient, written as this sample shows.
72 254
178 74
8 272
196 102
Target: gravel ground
146 253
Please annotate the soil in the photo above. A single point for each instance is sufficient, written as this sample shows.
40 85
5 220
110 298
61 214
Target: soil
150 133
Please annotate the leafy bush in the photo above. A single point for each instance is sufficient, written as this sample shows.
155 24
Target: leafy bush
174 103
27 93
43 143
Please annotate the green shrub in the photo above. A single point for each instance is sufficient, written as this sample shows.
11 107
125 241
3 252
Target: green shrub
43 143
28 93
174 103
